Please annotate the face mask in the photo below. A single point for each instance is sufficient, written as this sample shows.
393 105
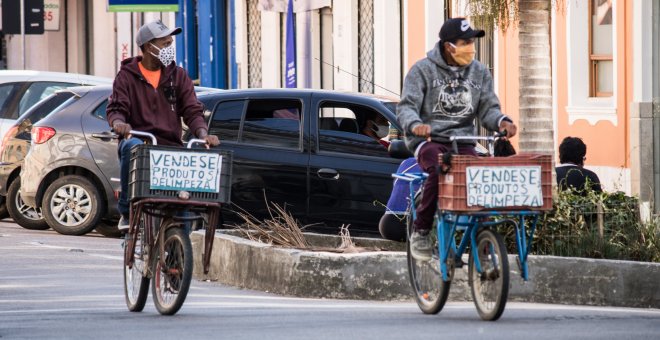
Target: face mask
165 55
380 130
464 54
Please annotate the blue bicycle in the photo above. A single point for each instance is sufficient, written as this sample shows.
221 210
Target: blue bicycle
466 221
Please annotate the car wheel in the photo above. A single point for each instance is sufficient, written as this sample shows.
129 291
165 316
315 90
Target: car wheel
24 215
71 205
108 229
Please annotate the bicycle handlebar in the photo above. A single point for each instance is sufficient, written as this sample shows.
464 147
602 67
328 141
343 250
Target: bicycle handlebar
144 134
153 138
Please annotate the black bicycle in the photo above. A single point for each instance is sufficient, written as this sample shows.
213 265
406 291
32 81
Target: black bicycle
170 189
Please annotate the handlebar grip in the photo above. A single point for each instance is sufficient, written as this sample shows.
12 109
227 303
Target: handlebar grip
502 133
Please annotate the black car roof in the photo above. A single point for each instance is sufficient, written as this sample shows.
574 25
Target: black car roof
258 92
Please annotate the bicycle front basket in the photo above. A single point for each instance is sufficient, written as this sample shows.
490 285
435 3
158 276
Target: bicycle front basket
163 171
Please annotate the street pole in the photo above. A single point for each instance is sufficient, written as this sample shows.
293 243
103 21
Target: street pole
23 30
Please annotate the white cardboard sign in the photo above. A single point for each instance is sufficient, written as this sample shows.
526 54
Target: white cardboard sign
504 186
180 170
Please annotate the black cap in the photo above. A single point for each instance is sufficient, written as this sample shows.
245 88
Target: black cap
458 28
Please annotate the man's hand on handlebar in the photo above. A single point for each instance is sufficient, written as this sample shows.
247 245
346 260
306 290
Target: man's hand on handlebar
510 128
122 129
422 130
211 140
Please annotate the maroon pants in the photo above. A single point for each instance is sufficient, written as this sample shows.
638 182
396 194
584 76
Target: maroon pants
428 161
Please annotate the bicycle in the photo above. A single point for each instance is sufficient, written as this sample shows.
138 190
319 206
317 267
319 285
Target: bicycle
157 246
460 226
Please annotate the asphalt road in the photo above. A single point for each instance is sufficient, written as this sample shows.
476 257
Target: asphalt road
66 287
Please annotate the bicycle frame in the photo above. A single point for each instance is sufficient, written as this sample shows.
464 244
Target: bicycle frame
449 223
150 206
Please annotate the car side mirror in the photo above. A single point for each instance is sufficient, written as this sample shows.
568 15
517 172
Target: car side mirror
398 149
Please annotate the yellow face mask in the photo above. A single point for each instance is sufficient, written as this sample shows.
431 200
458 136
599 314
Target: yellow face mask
463 55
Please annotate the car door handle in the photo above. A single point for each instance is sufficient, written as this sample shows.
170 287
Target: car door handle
328 173
104 135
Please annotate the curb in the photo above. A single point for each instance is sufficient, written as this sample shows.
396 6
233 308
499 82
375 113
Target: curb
383 275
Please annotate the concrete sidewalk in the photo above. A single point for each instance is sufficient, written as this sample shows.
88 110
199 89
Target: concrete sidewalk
383 275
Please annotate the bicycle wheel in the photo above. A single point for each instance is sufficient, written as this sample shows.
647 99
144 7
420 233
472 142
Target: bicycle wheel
490 288
136 281
429 290
172 281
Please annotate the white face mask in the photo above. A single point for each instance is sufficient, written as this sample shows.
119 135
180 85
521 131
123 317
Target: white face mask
380 130
166 55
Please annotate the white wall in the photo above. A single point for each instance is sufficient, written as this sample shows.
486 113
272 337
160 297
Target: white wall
387 47
270 50
642 50
104 58
345 41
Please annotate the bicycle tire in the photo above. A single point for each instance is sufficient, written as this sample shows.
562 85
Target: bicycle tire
429 290
170 285
490 289
136 280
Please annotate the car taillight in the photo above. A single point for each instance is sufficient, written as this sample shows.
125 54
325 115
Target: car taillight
41 134
10 134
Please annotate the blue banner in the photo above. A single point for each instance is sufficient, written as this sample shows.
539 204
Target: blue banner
290 48
143 5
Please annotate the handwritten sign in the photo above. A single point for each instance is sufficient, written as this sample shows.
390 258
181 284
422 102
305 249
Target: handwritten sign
500 186
191 171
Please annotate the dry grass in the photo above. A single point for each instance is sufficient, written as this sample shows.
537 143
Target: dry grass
282 229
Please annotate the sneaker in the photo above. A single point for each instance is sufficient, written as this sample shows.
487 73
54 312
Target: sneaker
123 223
421 248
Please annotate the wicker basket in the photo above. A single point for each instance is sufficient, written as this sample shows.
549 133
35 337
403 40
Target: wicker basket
171 177
497 183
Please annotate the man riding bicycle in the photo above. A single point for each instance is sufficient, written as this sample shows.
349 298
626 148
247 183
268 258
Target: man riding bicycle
442 95
152 94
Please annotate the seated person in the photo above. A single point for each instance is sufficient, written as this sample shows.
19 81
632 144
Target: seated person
291 113
571 172
377 127
392 225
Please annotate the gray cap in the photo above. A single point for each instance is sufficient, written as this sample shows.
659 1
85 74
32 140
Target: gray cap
154 30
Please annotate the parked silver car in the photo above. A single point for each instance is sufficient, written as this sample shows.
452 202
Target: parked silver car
72 169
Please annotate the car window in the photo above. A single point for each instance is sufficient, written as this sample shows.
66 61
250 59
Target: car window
345 128
5 92
273 122
227 120
50 104
36 92
99 112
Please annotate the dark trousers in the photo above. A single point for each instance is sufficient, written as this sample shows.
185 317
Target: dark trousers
427 159
124 153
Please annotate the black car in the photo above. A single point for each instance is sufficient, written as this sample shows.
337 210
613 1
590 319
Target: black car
301 149
305 149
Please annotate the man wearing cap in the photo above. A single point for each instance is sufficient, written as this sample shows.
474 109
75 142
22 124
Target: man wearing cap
152 94
442 96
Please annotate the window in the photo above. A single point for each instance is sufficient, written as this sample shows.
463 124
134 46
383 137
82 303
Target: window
272 122
5 92
352 129
55 103
100 110
36 92
601 78
227 120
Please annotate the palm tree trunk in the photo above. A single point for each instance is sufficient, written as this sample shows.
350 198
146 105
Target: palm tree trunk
535 77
